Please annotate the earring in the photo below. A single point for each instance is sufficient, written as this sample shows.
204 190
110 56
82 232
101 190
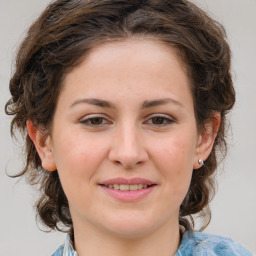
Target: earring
201 162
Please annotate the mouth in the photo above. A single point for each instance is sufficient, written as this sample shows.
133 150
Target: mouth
128 189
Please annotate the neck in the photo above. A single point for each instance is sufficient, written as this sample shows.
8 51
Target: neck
163 242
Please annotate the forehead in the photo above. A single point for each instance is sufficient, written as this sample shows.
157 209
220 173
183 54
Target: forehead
131 55
140 49
141 66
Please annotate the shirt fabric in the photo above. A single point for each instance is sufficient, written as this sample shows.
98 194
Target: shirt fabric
196 244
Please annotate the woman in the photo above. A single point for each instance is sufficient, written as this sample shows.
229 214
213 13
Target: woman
124 106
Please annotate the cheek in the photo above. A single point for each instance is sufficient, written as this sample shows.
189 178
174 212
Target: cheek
77 157
174 159
176 152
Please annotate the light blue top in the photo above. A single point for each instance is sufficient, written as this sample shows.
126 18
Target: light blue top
198 244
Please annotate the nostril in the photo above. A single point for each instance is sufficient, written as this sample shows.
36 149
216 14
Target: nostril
128 156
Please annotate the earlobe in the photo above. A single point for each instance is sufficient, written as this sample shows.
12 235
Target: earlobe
206 140
43 145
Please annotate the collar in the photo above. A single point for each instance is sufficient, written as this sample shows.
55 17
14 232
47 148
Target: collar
68 249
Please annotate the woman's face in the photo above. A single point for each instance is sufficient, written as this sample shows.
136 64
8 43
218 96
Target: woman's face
124 138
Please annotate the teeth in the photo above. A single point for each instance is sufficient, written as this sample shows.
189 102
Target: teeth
116 186
125 187
133 187
140 186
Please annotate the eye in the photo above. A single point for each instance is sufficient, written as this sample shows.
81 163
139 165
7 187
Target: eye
160 120
94 121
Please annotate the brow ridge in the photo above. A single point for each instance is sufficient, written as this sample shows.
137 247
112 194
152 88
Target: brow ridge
107 104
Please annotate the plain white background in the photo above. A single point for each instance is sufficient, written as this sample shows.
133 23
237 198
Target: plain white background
234 207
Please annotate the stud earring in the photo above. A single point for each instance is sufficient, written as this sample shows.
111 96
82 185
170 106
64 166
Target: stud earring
201 162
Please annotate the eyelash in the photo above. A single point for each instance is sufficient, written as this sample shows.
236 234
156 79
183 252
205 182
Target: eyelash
103 121
166 119
88 121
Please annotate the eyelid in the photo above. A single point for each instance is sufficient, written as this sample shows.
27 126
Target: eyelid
169 118
161 115
89 117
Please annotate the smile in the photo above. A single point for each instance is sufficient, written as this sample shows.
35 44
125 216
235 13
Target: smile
127 190
126 187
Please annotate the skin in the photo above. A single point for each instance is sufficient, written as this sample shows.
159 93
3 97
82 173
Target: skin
90 143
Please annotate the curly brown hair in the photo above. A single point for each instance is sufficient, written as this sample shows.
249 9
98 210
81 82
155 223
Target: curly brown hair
66 32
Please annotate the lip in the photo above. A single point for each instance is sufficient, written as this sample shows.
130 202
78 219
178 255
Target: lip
128 196
133 181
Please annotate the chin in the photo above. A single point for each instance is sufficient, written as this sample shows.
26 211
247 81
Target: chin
131 232
131 227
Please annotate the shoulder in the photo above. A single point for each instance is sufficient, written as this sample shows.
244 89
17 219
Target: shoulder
201 244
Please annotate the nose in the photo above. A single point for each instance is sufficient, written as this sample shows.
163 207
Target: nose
128 148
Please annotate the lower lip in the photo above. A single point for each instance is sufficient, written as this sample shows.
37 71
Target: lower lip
128 196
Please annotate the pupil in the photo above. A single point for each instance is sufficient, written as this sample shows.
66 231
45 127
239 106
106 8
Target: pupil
96 121
158 120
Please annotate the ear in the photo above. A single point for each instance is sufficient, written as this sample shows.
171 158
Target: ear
43 144
206 139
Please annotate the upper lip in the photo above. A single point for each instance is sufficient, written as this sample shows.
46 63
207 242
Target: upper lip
133 181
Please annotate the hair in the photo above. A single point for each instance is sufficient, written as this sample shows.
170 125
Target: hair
62 37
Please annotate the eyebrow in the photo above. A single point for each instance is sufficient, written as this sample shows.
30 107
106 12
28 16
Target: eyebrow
93 101
107 104
153 103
